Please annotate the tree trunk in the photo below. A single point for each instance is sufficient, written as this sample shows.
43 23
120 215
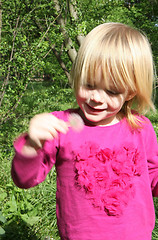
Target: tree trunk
67 40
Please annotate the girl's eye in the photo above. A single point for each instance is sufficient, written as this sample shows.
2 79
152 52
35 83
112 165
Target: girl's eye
112 92
89 86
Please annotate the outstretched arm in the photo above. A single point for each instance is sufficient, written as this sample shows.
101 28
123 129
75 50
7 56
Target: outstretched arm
35 152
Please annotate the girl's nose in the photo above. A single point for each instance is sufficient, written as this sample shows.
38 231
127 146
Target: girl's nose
97 96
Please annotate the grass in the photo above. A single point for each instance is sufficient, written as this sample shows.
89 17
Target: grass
30 214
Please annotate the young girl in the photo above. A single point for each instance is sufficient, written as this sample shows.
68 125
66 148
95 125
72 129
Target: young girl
107 171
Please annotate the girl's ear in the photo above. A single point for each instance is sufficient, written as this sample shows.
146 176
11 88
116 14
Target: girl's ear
130 96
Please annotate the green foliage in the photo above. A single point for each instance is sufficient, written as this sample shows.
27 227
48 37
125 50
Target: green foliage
24 210
19 205
25 52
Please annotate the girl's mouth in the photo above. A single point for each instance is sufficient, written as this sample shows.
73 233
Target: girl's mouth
93 109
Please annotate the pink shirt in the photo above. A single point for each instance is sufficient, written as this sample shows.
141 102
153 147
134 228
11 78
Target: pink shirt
106 178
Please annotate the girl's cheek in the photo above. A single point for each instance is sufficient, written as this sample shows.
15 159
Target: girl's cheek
115 103
83 93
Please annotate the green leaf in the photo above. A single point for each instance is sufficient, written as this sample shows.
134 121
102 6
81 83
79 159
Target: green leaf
29 220
2 232
2 219
12 204
3 195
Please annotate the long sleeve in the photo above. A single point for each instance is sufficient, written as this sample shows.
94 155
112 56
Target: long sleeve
153 169
29 171
152 158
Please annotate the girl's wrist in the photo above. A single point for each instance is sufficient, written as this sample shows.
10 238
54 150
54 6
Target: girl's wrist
29 148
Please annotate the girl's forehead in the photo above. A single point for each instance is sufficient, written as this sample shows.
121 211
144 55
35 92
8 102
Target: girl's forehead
95 74
103 79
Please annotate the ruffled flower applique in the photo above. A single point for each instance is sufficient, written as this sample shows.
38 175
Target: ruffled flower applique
106 176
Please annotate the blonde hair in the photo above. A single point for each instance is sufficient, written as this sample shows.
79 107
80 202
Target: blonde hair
125 57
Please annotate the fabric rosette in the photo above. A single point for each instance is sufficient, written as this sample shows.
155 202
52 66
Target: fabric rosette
106 176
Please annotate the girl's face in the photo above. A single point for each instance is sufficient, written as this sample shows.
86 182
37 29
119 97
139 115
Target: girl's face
100 105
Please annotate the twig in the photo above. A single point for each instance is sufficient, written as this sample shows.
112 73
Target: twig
47 30
52 46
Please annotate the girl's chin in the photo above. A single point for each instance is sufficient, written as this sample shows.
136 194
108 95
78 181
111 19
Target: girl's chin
93 119
99 120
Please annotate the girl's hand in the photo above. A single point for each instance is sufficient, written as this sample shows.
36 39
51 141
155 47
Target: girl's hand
43 127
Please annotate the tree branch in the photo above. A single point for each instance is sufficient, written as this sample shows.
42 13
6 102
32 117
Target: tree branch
52 47
74 15
67 40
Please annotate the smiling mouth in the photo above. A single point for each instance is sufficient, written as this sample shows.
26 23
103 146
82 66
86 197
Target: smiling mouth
94 109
